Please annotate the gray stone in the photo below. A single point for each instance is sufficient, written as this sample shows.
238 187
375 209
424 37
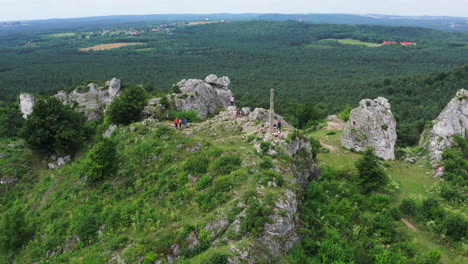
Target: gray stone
27 103
58 162
206 99
211 79
453 120
109 131
371 125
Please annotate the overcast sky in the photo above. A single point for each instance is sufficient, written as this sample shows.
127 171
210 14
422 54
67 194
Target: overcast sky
43 9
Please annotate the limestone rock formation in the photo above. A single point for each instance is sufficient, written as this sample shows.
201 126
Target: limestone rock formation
207 97
453 120
91 100
371 125
27 103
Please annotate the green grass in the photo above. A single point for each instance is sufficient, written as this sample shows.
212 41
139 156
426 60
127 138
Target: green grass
350 41
413 180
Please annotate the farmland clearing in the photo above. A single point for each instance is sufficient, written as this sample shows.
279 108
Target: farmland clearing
111 46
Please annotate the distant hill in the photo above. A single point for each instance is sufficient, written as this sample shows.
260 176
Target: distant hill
444 23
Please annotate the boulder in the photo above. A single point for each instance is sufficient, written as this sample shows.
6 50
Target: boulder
27 103
453 120
222 82
371 125
58 162
203 97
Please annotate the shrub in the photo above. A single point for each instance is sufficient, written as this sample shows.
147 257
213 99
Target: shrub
409 207
197 164
13 230
264 147
127 108
255 218
431 209
271 176
378 202
455 226
267 163
227 163
54 127
175 88
371 176
346 113
218 258
87 226
204 181
315 146
101 161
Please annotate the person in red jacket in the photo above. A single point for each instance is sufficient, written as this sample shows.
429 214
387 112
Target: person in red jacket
176 123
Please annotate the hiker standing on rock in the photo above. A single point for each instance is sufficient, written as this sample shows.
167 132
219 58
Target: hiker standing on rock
176 123
278 125
232 100
184 122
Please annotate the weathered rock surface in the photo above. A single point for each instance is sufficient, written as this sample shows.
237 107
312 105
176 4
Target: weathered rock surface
58 162
109 131
371 125
27 103
453 120
94 101
207 97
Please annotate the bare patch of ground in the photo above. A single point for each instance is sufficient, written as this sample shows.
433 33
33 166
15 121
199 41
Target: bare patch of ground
409 225
327 146
111 46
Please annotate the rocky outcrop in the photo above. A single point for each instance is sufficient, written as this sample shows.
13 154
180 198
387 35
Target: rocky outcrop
58 162
371 125
453 120
207 97
27 103
91 100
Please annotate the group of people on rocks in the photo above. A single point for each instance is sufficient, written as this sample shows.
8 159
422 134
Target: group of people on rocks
178 123
277 128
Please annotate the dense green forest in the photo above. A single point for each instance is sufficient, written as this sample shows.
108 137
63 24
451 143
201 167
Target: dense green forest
302 61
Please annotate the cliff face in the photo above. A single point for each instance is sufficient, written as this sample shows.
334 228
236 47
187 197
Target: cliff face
453 120
371 125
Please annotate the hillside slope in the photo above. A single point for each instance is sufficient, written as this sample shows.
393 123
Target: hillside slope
203 194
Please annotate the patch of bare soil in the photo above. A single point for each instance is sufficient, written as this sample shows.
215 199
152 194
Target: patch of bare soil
409 225
111 46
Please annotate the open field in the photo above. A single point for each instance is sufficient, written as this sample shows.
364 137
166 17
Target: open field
58 35
111 46
354 42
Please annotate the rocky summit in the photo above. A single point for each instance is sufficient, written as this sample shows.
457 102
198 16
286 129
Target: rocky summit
371 125
453 120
